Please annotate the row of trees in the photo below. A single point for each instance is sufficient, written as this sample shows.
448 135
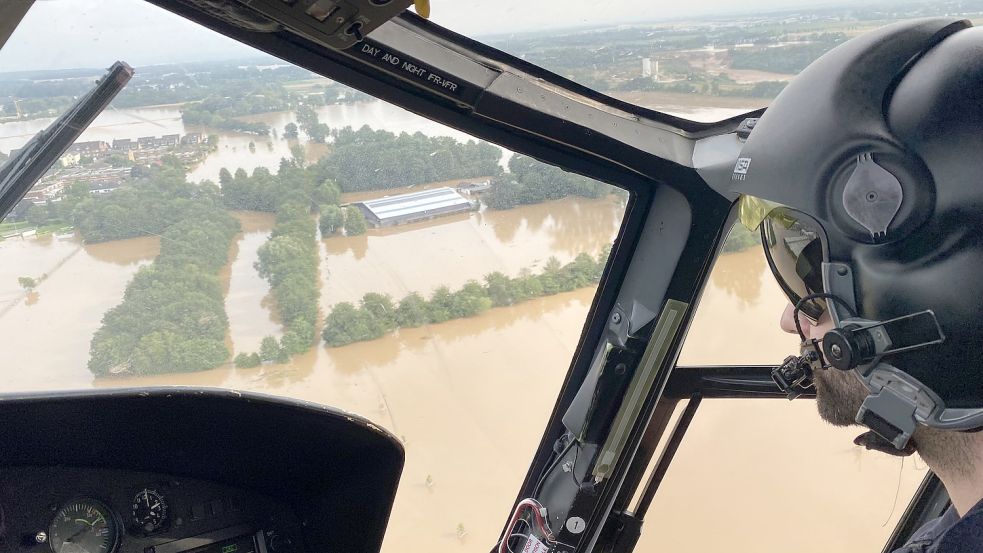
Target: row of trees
222 110
334 219
378 314
289 259
265 191
198 116
529 181
172 318
402 160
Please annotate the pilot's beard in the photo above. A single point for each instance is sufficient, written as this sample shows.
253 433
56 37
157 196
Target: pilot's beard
839 395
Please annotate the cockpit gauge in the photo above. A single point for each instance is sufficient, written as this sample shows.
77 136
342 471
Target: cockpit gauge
149 510
84 526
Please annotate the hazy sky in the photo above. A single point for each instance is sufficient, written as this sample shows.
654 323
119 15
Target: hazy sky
94 33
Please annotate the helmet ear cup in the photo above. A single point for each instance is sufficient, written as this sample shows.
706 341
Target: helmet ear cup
869 178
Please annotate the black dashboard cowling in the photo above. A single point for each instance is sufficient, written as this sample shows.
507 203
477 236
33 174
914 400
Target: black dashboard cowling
337 471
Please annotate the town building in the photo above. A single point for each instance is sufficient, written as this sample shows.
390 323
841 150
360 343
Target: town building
103 187
70 159
145 142
43 193
169 140
191 138
89 148
124 144
415 206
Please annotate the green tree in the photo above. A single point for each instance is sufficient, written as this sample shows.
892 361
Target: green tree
580 272
299 338
298 154
318 132
224 178
282 356
440 308
470 300
551 279
346 324
27 283
407 159
412 311
505 193
529 286
269 349
381 307
354 222
37 215
247 360
327 193
332 219
290 131
172 317
501 289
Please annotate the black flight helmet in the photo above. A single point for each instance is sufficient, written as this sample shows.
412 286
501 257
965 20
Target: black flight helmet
874 154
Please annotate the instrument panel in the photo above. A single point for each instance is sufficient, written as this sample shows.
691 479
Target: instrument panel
230 471
84 510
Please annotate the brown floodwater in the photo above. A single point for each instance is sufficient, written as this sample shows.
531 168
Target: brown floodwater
46 336
469 397
234 148
452 250
248 301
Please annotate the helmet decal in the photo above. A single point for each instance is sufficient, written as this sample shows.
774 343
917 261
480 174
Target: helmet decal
740 169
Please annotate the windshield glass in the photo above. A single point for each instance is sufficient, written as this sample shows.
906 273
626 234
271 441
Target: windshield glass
705 60
234 221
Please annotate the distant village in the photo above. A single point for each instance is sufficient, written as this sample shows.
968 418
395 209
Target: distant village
104 166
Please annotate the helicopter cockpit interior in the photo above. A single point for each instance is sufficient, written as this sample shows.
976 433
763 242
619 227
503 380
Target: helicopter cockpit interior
602 366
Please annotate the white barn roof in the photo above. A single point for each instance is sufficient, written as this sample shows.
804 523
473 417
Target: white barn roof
393 207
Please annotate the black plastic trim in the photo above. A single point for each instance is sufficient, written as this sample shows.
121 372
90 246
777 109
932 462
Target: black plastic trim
493 56
337 470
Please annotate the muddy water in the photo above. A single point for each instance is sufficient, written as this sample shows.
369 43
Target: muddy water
470 397
46 334
234 150
452 250
248 301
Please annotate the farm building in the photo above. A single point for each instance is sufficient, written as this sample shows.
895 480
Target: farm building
416 206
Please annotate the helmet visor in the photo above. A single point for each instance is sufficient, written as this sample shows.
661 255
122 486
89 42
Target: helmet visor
795 248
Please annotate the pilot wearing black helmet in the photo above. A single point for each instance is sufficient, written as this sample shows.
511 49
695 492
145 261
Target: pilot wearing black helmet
865 178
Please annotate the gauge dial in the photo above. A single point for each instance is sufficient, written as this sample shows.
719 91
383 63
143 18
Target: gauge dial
84 526
149 510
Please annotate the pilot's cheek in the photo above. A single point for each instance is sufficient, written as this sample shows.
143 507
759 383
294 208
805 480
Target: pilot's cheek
787 323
